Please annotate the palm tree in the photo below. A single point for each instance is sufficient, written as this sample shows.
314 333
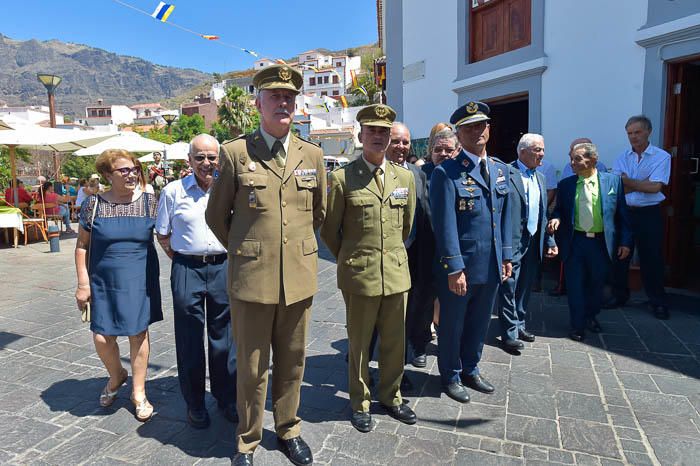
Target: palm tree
235 111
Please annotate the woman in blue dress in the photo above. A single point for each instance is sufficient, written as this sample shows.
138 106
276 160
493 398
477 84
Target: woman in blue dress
122 285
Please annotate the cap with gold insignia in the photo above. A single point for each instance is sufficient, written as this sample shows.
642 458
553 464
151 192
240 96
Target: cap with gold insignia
376 115
471 112
278 77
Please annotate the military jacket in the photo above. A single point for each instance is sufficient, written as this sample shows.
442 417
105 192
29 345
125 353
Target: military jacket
470 217
366 231
265 216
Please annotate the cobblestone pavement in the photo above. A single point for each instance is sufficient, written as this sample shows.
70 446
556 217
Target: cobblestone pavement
630 395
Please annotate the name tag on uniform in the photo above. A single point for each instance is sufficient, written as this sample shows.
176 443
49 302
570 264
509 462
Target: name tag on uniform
400 193
305 172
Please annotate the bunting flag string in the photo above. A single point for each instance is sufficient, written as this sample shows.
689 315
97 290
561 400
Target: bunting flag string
163 11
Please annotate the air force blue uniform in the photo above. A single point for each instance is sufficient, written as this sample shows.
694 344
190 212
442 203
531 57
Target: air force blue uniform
472 225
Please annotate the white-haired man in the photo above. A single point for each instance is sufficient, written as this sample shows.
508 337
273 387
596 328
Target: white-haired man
198 280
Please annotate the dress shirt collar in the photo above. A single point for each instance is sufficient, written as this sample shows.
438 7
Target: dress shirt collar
649 150
190 182
524 170
270 140
593 178
372 166
473 157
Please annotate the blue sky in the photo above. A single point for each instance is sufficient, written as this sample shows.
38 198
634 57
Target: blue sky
273 28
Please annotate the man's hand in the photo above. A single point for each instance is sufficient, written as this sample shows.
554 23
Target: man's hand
623 252
551 252
553 225
506 270
457 283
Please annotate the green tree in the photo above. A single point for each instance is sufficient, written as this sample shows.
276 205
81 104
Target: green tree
220 132
367 82
5 174
78 167
187 127
236 113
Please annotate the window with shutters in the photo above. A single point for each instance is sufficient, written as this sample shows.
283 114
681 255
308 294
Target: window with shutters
312 81
335 79
498 26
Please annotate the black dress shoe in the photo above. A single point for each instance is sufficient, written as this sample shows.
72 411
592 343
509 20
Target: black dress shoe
661 312
512 345
457 392
401 413
242 459
198 418
296 450
406 384
229 412
361 421
593 325
524 335
577 335
420 361
478 383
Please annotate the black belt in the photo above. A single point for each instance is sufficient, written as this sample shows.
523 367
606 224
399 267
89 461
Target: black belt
208 259
589 234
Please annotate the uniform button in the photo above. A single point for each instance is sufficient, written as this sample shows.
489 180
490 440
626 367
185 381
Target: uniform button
284 240
238 252
284 185
383 220
350 261
494 224
284 203
385 236
284 222
445 266
494 209
384 251
252 183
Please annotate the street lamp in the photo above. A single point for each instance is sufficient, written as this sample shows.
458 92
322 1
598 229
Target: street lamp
169 119
51 82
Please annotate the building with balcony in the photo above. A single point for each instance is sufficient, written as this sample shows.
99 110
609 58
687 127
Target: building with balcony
102 114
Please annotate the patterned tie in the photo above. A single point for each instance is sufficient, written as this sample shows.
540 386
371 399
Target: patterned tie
533 204
378 179
278 153
484 171
585 206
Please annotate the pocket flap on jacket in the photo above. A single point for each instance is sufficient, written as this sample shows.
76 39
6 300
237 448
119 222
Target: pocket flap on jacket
396 202
309 245
254 180
248 248
359 262
306 182
359 200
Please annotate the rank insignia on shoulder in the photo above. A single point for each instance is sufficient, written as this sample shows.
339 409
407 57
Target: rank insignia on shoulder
305 172
400 193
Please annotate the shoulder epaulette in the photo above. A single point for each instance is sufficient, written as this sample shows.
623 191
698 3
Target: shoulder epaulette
497 160
307 141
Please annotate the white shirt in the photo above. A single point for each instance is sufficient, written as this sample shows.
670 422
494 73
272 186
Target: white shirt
373 167
181 214
550 174
80 197
270 141
655 165
532 190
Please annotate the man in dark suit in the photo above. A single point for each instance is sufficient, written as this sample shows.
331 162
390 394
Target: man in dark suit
528 210
590 219
420 246
471 221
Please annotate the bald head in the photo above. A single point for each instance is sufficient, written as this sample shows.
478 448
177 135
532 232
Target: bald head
204 158
400 144
202 140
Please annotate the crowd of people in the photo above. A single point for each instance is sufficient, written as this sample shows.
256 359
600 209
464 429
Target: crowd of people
446 242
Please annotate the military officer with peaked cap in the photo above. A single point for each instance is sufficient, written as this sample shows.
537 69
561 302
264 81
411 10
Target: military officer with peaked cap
370 213
264 207
471 220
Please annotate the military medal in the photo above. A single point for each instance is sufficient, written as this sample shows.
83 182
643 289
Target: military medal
252 199
252 167
462 204
470 205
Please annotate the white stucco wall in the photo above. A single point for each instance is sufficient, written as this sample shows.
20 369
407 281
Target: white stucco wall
430 34
595 73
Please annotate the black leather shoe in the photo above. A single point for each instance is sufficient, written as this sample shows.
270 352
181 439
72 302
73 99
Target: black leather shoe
457 392
524 335
478 383
406 384
509 344
242 459
198 418
361 421
296 450
661 312
420 361
593 325
401 413
229 412
577 335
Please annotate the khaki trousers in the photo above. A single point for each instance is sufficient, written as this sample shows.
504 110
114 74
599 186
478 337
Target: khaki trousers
387 314
256 328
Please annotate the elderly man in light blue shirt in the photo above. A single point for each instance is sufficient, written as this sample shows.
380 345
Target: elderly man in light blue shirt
198 280
645 169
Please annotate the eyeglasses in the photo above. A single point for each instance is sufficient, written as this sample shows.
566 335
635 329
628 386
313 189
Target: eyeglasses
126 171
209 157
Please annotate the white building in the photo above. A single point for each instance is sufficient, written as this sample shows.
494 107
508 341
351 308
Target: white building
102 114
563 68
35 114
262 63
326 75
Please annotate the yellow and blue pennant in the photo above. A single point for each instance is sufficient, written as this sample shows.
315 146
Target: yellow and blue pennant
163 11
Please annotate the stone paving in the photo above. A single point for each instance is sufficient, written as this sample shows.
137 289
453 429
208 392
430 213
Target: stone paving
628 396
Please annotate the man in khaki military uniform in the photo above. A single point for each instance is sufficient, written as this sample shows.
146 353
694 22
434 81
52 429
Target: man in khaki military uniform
370 214
264 207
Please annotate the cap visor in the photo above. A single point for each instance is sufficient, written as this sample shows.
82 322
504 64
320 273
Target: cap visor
383 123
472 119
270 86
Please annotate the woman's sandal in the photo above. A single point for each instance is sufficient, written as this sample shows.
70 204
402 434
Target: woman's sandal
108 396
143 409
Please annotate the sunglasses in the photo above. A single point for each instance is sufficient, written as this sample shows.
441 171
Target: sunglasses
126 171
210 157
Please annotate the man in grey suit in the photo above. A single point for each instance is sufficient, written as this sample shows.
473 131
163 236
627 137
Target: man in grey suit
528 208
420 246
